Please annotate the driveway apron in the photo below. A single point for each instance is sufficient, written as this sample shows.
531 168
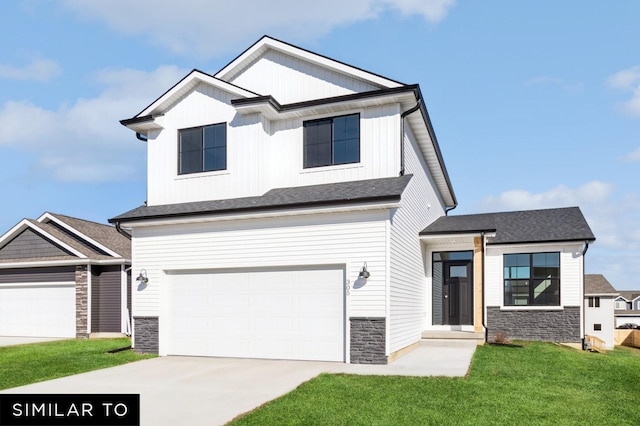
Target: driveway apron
176 390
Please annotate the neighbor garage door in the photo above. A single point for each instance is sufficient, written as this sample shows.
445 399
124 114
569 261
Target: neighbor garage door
38 302
278 314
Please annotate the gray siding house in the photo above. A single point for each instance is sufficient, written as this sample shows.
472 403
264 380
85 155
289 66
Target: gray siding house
64 277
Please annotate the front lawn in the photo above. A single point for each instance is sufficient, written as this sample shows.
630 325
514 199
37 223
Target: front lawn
25 364
535 384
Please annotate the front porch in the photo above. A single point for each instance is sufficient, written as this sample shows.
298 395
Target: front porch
477 336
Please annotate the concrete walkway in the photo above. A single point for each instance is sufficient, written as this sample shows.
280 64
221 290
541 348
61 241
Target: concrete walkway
211 391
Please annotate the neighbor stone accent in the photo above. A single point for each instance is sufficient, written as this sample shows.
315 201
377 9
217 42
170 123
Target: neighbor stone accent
82 302
368 340
145 331
540 324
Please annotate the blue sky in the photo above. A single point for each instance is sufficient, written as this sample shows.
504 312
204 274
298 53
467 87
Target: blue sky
535 104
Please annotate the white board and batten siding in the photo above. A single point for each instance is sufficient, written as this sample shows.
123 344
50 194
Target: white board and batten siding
261 155
343 239
407 296
289 79
571 271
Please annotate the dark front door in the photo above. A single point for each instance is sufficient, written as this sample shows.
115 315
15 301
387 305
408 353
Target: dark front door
457 293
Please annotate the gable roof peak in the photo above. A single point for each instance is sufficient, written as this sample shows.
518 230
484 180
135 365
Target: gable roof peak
265 43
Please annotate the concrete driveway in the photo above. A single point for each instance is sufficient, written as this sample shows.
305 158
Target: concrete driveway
211 391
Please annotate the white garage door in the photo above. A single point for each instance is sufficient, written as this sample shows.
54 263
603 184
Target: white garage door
38 310
284 314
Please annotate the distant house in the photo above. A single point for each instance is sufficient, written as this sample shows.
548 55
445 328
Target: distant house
599 297
64 277
627 307
297 209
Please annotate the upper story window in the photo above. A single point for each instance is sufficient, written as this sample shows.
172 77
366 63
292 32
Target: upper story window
594 301
331 141
202 149
621 305
532 279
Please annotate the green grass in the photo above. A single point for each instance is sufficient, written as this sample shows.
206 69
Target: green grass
25 364
535 384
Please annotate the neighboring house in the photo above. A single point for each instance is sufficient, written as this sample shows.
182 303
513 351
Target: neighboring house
64 277
599 297
515 274
627 307
286 198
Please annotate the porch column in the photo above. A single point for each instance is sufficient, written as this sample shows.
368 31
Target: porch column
477 285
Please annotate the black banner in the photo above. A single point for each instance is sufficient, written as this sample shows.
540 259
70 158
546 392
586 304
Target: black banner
70 410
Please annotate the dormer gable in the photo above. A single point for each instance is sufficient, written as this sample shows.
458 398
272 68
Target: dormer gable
151 118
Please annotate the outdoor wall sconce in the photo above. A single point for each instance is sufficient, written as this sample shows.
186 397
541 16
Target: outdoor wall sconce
142 278
364 274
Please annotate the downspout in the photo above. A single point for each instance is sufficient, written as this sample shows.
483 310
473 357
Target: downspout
584 319
122 231
402 117
448 209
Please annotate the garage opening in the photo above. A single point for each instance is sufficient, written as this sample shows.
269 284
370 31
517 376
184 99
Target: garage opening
284 313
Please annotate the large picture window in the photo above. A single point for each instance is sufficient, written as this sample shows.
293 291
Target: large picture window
532 279
202 149
332 141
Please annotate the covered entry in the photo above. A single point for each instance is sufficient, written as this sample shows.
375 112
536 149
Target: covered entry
284 313
452 288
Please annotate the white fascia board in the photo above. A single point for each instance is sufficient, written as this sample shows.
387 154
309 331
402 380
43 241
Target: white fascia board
600 295
228 72
70 262
51 217
24 224
179 220
194 78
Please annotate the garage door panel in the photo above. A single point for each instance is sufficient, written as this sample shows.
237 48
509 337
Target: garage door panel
289 314
38 310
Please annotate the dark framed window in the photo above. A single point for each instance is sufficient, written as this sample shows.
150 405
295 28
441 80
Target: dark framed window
330 141
594 302
597 327
202 149
532 279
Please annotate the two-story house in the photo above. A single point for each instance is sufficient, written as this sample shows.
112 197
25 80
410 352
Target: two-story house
599 297
289 200
627 308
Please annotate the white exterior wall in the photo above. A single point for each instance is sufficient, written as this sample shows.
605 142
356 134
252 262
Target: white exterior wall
602 315
289 79
421 205
323 239
571 272
261 155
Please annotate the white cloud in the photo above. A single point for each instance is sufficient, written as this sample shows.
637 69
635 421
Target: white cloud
571 88
202 27
614 220
633 156
38 69
84 142
628 80
594 192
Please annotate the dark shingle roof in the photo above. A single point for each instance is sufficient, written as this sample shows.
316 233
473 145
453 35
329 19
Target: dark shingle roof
597 284
371 190
629 294
527 226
